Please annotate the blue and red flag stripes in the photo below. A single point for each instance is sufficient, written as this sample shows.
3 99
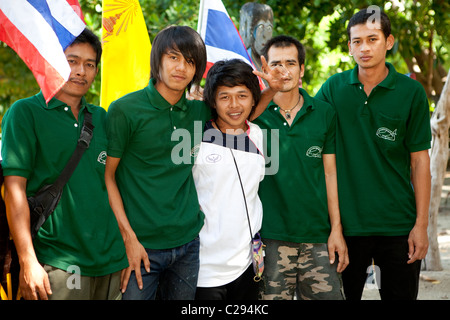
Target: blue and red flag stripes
221 37
39 31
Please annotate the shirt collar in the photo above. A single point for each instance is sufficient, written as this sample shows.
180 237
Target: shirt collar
307 101
55 103
158 101
388 82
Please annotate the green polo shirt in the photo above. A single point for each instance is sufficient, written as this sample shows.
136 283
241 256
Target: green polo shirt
295 199
154 140
37 142
374 139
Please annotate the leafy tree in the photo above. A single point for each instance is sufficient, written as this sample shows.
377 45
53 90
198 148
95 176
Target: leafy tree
420 28
16 80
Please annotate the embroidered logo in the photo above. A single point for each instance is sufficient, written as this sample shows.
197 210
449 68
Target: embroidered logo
386 134
195 150
102 157
213 158
314 152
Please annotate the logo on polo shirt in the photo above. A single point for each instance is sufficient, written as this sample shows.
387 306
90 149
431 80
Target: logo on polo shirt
314 152
102 157
213 158
386 134
194 150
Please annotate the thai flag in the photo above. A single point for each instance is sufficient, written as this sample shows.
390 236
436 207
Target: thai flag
221 37
39 31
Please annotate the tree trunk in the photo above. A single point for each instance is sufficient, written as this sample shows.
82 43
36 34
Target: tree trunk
440 122
437 74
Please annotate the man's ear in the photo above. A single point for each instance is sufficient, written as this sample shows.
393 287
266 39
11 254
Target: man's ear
390 42
302 70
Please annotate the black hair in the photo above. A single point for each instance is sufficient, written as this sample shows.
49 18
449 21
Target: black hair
364 15
283 41
230 73
87 36
183 39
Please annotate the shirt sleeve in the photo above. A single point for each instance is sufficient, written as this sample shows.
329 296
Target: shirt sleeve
418 130
117 130
330 140
323 93
19 141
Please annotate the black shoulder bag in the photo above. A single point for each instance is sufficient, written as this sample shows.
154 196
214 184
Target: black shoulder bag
44 202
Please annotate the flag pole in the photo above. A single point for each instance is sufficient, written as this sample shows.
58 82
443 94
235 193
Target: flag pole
200 16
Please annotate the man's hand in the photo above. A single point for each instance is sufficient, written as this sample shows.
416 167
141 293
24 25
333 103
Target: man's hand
33 282
135 253
336 243
196 93
33 279
274 76
418 244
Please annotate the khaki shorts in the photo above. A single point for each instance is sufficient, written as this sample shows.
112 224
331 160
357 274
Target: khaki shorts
72 286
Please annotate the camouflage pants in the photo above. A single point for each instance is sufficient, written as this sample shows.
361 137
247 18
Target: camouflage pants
299 271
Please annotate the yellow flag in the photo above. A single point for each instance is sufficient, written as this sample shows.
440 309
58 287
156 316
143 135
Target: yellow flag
126 50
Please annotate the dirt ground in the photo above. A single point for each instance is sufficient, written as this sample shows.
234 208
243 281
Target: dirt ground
434 285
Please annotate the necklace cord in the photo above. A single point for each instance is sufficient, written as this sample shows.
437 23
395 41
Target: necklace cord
289 110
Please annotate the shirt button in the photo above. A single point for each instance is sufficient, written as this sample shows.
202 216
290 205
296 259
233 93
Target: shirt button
66 108
285 123
171 109
174 128
76 125
275 108
365 102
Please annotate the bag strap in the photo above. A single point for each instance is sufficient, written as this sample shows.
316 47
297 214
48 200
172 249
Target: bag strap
83 143
243 193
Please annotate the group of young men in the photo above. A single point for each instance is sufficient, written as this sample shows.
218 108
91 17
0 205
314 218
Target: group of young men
352 187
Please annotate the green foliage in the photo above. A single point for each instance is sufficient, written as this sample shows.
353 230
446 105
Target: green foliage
16 80
319 24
